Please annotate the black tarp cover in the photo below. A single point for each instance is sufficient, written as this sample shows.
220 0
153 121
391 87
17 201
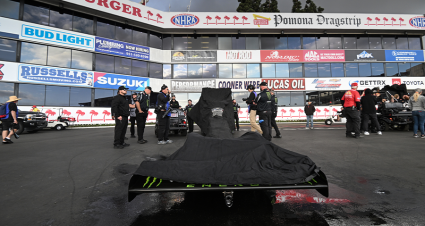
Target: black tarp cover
249 159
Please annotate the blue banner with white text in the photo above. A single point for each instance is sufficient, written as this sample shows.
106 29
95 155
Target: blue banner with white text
114 47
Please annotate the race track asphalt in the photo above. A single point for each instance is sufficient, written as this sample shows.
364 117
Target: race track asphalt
75 177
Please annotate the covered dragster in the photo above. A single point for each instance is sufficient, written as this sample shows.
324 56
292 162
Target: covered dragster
219 162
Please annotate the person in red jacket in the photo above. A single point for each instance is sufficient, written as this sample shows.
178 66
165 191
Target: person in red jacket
351 103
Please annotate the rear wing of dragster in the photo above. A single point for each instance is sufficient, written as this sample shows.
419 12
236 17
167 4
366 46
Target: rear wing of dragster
144 184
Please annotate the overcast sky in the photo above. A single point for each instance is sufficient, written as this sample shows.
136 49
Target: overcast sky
285 6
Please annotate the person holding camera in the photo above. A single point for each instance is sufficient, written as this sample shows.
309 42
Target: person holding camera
351 103
163 114
120 111
189 120
252 109
236 109
142 106
264 110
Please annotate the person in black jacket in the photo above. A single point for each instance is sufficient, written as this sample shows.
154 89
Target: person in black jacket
252 109
120 111
133 114
309 110
189 120
236 109
274 115
163 104
174 103
264 110
142 106
368 103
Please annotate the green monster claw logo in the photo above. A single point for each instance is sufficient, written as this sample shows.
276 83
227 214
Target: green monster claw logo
269 95
154 179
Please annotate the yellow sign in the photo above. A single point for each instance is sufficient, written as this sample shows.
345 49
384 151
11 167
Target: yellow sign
261 20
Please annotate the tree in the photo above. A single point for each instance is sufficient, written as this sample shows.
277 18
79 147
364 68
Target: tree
309 7
256 6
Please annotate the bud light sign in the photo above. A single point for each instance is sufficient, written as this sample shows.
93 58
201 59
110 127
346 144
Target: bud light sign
185 20
418 22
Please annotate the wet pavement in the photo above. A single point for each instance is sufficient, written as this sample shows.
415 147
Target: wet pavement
75 177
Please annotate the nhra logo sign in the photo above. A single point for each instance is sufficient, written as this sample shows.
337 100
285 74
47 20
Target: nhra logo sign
418 22
185 20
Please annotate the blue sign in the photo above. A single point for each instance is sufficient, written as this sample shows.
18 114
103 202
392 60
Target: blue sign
114 81
418 22
185 20
105 45
404 55
57 36
52 75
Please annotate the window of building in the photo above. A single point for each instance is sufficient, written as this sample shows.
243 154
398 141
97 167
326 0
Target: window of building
8 50
155 70
82 23
139 68
238 42
365 70
404 69
32 94
362 42
378 69
283 99
324 70
123 33
297 98
417 69
155 40
194 97
352 69
350 42
58 57
225 70
194 71
392 69
310 70
335 42
180 42
166 42
239 70
140 37
322 42
294 42
388 43
166 71
281 42
253 71
309 42
295 70
203 42
33 53
103 97
80 97
105 63
414 43
313 97
375 42
10 9
60 18
252 42
337 69
402 42
225 42
238 97
57 96
181 98
267 41
122 66
180 71
268 70
105 28
82 60
6 90
209 71
36 13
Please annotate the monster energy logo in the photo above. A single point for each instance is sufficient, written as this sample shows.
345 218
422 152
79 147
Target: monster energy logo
154 180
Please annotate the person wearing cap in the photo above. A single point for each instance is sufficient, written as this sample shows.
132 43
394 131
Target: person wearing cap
142 106
274 114
351 103
264 110
174 103
163 104
133 114
120 111
187 109
10 122
35 109
252 109
369 102
236 109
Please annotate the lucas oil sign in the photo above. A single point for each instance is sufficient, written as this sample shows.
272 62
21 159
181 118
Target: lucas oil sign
285 84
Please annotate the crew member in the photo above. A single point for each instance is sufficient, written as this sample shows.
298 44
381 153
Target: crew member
120 111
10 122
274 115
351 103
174 103
264 108
163 104
236 109
189 120
35 109
252 109
142 106
133 114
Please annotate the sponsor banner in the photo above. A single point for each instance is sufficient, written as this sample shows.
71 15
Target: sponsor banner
114 81
8 71
185 20
238 84
192 85
404 55
193 56
286 84
417 22
114 47
54 75
282 55
323 84
324 55
226 56
365 55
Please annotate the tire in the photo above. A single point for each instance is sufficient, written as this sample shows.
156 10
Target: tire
58 127
21 128
384 125
328 122
184 132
